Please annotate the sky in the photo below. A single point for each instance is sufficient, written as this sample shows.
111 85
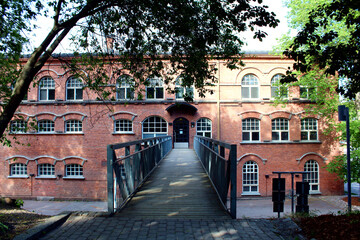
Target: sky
267 44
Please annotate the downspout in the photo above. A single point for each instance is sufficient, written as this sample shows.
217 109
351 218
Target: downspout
218 104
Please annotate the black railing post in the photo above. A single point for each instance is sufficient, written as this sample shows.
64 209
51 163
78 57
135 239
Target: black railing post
110 178
233 177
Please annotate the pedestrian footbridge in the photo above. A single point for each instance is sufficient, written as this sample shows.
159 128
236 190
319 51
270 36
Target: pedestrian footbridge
149 179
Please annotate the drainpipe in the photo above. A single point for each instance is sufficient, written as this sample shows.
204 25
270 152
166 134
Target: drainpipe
218 104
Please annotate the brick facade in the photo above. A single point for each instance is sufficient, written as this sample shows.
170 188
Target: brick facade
226 108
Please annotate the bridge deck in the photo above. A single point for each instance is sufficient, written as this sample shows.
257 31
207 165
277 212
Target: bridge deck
178 188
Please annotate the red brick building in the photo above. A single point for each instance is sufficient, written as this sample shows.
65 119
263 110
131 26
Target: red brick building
67 155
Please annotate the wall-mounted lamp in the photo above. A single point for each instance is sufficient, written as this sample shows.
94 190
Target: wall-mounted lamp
266 176
59 176
170 124
32 175
192 124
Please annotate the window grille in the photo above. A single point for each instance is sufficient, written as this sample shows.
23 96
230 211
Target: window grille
18 126
250 129
46 126
74 89
312 176
309 129
154 127
123 126
74 170
18 169
46 89
46 170
73 126
250 177
204 127
280 129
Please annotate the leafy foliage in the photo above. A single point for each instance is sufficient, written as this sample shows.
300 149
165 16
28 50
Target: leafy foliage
150 39
330 39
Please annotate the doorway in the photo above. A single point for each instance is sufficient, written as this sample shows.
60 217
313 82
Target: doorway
181 133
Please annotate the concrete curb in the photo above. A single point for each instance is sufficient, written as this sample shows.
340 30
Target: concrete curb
43 228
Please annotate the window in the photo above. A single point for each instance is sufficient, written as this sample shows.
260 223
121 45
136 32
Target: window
250 87
309 129
306 92
47 89
312 167
203 127
18 170
73 126
251 129
276 89
155 90
182 92
73 170
280 129
46 170
123 126
74 89
46 126
18 126
250 177
125 88
154 127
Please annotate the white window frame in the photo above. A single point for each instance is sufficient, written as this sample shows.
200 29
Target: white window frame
153 123
309 126
74 170
76 86
250 178
47 85
73 126
313 178
48 126
278 126
125 83
250 126
124 126
204 127
18 126
180 91
157 84
46 170
18 170
276 89
249 83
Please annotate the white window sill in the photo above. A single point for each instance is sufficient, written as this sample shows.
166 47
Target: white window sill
128 133
18 176
74 178
74 133
250 194
45 177
314 192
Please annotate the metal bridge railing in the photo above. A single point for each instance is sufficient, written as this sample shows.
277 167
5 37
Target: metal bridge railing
128 166
219 161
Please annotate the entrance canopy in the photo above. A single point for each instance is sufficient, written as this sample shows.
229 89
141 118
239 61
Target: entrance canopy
182 108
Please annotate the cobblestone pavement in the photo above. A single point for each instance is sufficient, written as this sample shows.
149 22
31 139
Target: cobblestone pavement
81 226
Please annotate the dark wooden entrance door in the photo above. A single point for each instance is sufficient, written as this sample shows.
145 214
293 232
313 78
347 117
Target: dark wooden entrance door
181 130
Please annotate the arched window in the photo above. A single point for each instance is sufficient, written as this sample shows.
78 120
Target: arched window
45 126
74 89
250 87
280 129
182 92
125 88
46 89
18 126
46 170
155 90
250 177
123 126
312 176
276 89
250 129
73 170
73 126
18 170
154 127
309 129
203 127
